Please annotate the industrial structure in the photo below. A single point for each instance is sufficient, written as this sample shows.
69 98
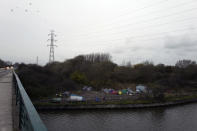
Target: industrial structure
52 45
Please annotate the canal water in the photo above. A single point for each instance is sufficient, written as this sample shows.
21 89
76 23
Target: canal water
176 118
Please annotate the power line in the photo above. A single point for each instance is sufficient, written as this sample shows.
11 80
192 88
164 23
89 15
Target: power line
137 10
143 36
153 26
145 28
160 33
173 7
145 7
158 37
154 18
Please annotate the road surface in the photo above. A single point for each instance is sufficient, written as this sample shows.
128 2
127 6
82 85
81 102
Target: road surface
5 100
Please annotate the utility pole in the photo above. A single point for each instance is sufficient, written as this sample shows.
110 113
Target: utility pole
52 45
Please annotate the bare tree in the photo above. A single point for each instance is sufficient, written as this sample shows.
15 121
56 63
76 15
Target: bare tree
184 63
98 57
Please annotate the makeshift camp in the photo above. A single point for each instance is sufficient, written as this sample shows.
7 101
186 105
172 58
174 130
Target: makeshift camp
97 99
59 95
74 97
141 89
87 88
124 91
129 91
106 90
66 93
114 92
56 100
111 91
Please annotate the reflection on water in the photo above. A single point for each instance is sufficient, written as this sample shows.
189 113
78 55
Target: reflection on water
178 118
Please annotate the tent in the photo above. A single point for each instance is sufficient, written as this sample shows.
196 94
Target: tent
141 88
119 92
124 91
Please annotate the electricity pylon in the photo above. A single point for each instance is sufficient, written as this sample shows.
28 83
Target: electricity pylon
52 45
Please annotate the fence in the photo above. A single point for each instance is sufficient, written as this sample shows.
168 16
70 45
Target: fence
29 119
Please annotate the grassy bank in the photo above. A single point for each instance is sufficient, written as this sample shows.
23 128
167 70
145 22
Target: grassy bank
178 98
121 102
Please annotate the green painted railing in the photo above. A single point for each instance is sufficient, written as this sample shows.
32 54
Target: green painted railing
29 119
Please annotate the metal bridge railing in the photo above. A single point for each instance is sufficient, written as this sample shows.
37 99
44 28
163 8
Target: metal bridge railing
29 119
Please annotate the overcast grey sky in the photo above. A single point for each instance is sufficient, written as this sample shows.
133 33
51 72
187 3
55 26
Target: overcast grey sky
162 31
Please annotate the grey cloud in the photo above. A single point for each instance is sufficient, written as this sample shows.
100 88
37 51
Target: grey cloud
180 43
122 49
126 47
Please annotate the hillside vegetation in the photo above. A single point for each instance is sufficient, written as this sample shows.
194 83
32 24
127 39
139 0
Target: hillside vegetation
98 71
3 64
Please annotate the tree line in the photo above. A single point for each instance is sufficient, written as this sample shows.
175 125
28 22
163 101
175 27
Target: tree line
99 71
3 64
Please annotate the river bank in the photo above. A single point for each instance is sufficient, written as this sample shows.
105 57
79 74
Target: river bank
118 105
